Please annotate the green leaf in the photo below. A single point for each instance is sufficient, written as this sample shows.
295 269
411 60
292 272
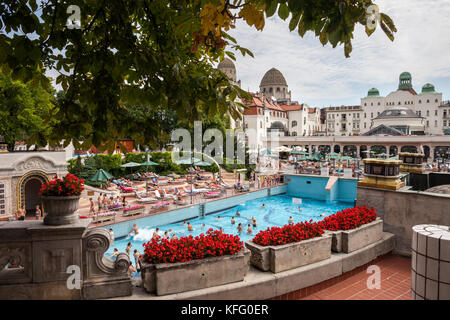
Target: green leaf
294 21
348 48
283 11
271 8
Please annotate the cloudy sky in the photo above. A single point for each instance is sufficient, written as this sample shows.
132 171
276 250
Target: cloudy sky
322 76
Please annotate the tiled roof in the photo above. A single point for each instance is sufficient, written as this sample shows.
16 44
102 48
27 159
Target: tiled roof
294 107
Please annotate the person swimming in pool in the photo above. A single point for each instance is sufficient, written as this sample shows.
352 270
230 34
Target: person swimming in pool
239 228
322 214
249 229
291 220
254 222
189 226
135 230
299 208
166 235
203 226
238 213
232 220
218 218
174 236
155 233
263 206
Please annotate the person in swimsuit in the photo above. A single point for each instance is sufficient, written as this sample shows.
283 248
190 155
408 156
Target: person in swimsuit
239 228
21 214
232 220
155 233
174 236
291 220
238 213
135 229
99 201
136 255
38 212
189 226
111 235
166 235
249 229
92 205
128 249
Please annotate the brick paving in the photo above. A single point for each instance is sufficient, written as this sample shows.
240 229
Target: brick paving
395 283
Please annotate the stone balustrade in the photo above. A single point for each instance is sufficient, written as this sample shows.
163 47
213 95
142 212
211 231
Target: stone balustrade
59 262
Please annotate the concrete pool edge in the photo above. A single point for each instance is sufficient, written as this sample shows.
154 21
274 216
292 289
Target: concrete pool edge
258 285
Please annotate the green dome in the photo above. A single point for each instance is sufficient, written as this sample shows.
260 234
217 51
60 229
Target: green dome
405 76
405 81
373 93
428 88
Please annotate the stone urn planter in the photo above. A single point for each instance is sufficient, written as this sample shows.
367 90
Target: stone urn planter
60 210
291 255
169 278
351 240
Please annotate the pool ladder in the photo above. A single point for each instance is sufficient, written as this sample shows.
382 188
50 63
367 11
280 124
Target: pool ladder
202 210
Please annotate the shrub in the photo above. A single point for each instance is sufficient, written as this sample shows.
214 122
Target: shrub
68 186
289 233
213 244
347 219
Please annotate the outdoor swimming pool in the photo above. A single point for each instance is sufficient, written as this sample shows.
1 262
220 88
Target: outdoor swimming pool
276 213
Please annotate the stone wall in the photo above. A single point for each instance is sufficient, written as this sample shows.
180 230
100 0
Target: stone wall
59 262
401 210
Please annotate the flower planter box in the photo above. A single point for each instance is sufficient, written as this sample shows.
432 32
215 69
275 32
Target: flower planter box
169 278
103 217
351 240
133 212
291 255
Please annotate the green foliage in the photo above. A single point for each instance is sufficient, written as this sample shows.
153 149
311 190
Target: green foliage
134 64
25 111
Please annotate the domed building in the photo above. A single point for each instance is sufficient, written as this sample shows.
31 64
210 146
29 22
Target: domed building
397 120
227 66
274 84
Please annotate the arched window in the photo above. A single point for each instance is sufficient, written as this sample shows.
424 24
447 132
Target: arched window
294 133
278 89
294 123
264 90
270 90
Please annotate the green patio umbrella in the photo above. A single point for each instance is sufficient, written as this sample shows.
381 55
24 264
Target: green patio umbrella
299 152
202 164
131 165
149 163
188 161
101 176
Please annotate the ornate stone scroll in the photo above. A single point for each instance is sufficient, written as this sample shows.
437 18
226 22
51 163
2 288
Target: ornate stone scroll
103 278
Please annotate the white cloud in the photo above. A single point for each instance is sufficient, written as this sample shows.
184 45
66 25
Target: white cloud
322 76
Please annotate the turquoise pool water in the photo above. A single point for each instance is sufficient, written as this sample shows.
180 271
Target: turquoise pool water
276 212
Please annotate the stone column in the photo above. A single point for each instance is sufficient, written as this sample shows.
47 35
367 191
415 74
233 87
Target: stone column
387 149
310 150
432 153
430 259
358 151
